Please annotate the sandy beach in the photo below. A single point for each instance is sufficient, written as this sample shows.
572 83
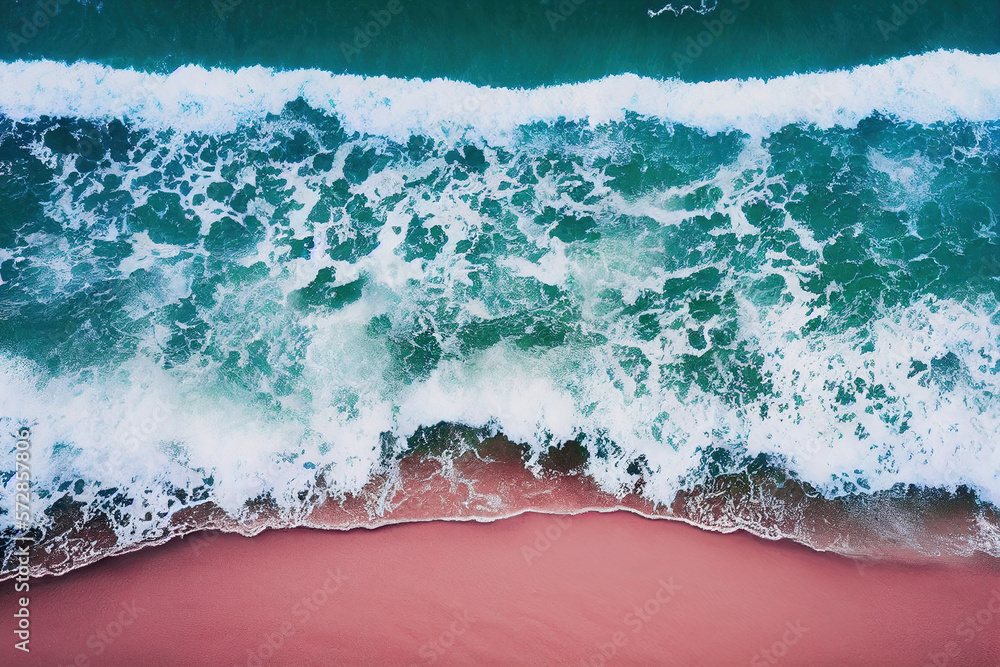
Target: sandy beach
592 589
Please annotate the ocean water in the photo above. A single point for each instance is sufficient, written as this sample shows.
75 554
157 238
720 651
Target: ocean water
245 247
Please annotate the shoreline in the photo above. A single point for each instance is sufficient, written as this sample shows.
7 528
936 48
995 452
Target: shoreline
537 587
494 481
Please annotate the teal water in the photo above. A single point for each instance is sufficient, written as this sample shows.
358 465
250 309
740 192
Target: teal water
519 43
224 284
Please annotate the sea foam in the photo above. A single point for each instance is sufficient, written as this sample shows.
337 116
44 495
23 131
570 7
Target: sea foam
942 86
187 427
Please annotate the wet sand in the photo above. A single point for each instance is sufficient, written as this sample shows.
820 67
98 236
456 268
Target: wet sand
536 589
493 481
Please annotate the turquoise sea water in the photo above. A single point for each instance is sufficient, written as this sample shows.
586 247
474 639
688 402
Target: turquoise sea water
246 244
518 43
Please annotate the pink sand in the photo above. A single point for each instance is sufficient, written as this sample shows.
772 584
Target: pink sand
536 589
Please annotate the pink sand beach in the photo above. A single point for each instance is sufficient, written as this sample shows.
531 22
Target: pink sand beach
593 589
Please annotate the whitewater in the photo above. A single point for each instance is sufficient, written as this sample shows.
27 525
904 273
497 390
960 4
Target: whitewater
241 282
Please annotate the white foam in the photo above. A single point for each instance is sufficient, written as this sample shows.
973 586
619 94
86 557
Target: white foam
938 86
704 7
347 398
